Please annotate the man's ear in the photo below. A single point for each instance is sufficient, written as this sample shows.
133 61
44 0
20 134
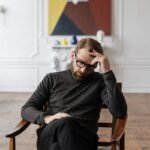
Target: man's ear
72 55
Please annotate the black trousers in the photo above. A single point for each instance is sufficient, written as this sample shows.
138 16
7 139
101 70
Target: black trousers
65 134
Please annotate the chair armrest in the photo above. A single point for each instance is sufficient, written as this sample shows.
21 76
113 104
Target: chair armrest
119 129
22 125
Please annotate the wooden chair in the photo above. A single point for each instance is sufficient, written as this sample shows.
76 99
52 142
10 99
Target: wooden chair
117 126
117 137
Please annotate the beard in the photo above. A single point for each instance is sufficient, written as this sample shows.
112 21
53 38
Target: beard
78 75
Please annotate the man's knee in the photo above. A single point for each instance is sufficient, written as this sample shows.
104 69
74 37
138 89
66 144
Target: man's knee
67 125
67 122
63 125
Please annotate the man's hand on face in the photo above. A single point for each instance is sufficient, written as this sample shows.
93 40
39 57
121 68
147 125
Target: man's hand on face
102 60
59 115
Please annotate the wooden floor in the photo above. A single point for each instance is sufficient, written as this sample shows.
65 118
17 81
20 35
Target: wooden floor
137 131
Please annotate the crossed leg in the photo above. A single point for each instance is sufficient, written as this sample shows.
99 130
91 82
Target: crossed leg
64 134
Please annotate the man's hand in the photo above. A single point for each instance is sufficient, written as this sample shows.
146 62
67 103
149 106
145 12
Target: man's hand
59 115
102 60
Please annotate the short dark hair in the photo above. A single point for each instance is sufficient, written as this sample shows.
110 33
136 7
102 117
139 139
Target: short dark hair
90 44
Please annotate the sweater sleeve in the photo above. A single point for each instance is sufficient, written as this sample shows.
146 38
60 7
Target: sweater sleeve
112 96
32 109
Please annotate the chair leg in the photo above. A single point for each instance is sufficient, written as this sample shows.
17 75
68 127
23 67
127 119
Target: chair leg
12 143
114 146
122 142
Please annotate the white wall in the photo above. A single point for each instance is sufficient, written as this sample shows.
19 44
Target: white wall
26 54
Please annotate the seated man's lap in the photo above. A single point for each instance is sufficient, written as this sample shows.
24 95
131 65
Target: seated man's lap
65 131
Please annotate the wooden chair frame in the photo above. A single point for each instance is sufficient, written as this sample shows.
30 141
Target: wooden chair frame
117 133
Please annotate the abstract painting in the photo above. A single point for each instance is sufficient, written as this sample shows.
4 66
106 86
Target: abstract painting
79 17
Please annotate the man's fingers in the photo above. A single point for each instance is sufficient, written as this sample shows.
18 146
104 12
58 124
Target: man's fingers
60 115
95 53
94 61
65 115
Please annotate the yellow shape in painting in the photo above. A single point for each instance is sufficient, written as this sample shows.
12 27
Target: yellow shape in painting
55 9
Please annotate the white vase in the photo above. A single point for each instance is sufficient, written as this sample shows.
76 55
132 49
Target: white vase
100 36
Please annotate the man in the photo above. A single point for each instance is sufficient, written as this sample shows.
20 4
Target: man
74 98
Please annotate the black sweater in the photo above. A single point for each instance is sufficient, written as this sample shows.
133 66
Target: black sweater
82 99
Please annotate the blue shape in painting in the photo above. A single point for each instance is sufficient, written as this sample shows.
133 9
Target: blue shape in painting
66 27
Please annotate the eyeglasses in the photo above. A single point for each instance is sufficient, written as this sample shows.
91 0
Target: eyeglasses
81 64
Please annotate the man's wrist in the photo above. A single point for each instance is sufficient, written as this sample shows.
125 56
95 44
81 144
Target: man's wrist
109 76
106 72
